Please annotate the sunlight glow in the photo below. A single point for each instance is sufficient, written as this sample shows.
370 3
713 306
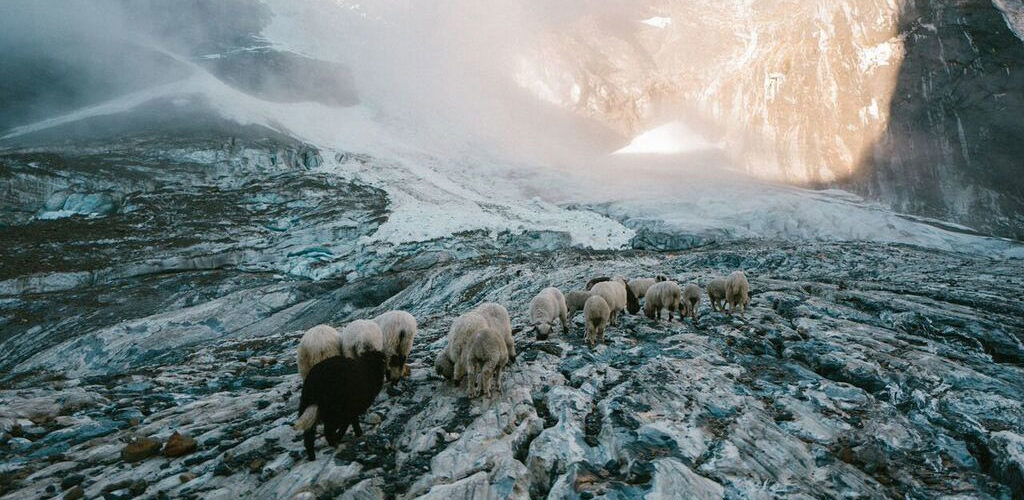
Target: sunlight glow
670 138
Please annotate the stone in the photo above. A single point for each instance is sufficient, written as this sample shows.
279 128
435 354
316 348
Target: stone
74 493
179 445
140 449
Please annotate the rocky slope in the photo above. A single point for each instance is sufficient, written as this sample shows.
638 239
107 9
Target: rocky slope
860 370
911 103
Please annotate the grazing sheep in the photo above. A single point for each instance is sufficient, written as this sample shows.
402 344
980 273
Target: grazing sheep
443 365
361 336
497 317
461 331
398 328
336 392
483 358
737 291
663 295
691 299
640 286
614 293
575 300
317 344
596 313
547 307
716 294
632 304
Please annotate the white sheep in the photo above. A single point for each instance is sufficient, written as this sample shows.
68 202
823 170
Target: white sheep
443 364
737 291
640 286
575 300
317 344
461 331
596 313
691 299
662 295
360 337
716 294
398 328
483 357
497 318
546 308
614 293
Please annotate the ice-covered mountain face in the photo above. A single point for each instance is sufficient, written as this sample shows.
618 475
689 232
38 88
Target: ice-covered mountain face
181 198
915 104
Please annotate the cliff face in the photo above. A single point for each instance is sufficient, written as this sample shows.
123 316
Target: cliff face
909 103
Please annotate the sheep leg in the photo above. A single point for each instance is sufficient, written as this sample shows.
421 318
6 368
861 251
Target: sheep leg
565 322
358 431
343 429
497 380
331 432
308 439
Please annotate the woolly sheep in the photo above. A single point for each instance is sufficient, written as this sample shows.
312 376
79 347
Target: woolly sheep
398 328
443 365
547 307
662 295
317 344
595 314
575 300
497 317
691 299
632 303
716 294
461 331
613 293
338 405
361 336
737 291
640 286
483 358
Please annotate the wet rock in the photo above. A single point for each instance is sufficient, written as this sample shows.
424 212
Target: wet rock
179 445
71 480
140 449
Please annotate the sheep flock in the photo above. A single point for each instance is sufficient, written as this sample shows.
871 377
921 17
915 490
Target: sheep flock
343 371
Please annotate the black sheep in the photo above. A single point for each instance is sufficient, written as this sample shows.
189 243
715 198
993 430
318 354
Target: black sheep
336 392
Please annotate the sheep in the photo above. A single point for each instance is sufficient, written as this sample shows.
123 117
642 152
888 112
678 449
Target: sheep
483 357
640 286
545 308
716 294
497 317
596 313
663 294
632 304
398 328
361 336
443 365
575 300
737 291
461 331
336 392
317 344
691 299
614 294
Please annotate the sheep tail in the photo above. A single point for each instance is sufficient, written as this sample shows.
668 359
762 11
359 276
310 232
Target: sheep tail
307 420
